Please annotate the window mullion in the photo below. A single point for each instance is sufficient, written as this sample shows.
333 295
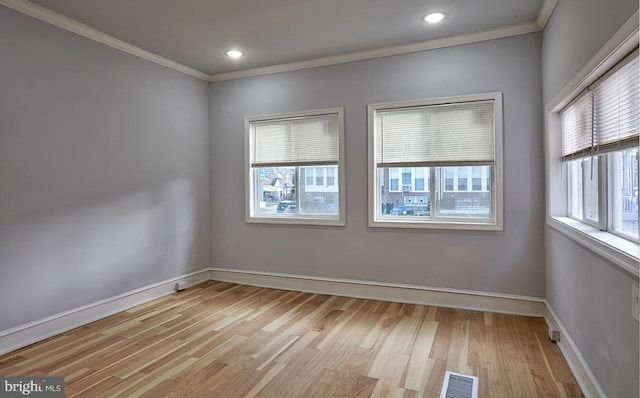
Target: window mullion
493 182
585 192
296 186
432 192
255 188
603 190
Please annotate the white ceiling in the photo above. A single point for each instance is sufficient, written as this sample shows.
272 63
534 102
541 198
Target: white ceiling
197 33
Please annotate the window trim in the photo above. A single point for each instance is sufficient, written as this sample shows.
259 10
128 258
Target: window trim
609 210
602 173
620 251
495 224
250 204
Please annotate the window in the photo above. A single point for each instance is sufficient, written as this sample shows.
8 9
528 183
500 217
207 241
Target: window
414 179
448 178
462 178
420 173
331 179
476 181
393 180
591 140
319 176
600 151
445 149
406 179
295 168
624 192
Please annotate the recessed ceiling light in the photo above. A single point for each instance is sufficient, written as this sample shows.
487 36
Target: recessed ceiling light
434 17
234 54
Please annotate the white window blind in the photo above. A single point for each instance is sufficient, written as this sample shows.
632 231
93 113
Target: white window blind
436 135
295 141
577 121
605 117
616 98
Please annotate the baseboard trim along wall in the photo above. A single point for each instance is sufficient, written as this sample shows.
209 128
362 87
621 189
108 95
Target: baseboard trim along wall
410 294
579 366
23 335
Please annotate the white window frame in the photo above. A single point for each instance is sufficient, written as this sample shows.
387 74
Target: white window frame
620 251
493 224
251 214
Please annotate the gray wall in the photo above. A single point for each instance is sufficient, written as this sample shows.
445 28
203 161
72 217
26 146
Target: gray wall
103 171
591 296
508 262
104 179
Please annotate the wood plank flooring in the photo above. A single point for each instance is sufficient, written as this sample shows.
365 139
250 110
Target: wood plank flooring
226 340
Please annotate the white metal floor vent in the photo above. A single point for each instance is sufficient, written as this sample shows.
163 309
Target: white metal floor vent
457 385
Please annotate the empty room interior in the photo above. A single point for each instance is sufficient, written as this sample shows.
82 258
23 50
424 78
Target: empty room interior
320 198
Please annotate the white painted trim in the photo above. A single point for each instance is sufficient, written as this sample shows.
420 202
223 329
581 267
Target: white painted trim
46 15
620 252
579 366
249 189
35 331
545 12
514 30
439 223
622 40
395 292
441 297
32 332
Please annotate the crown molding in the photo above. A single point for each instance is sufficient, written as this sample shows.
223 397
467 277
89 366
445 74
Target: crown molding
545 12
46 15
625 39
514 30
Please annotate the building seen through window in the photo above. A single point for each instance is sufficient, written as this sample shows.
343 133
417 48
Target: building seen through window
470 196
294 172
436 163
317 194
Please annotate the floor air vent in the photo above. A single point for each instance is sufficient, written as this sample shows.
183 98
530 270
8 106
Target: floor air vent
457 385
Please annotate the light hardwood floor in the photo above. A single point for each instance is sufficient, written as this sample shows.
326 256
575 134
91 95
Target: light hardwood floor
226 340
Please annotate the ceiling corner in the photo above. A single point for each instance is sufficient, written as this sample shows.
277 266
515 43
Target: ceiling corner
545 12
51 17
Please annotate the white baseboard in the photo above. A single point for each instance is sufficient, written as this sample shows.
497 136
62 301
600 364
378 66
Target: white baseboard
579 366
452 298
410 294
32 332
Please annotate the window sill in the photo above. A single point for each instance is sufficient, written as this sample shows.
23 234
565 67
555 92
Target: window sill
335 222
461 225
620 251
